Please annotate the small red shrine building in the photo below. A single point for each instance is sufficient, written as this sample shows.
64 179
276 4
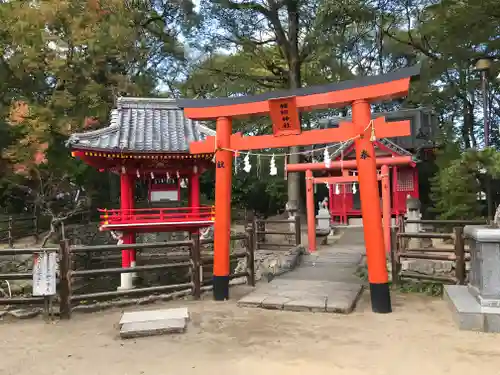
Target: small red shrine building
344 198
148 139
344 202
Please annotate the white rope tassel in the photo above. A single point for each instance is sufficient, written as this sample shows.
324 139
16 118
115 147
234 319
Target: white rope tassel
337 189
326 158
152 176
138 174
373 137
273 170
247 167
354 188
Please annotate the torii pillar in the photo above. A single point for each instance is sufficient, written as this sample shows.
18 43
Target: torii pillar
284 108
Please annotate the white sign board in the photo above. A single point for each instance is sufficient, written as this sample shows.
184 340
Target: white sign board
44 274
164 195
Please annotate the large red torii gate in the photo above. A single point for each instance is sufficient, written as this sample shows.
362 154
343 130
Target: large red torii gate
284 107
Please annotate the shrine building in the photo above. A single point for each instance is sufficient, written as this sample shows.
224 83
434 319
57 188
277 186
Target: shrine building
148 140
344 201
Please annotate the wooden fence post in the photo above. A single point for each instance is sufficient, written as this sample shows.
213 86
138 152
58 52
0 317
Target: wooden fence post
11 238
459 254
64 280
250 253
298 236
257 236
395 266
261 230
195 264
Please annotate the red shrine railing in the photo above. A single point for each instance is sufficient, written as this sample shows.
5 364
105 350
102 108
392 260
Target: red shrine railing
145 216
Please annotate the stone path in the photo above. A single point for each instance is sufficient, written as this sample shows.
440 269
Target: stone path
323 282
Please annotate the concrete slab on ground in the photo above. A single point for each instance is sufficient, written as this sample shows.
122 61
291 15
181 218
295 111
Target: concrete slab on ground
305 295
152 328
468 313
152 315
153 322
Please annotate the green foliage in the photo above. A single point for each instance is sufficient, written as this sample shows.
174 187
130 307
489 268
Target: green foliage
459 180
256 191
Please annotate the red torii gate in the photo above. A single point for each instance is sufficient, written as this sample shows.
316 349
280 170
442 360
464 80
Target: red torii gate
284 108
384 163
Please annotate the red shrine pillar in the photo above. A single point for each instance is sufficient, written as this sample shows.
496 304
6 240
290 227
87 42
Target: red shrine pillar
194 190
386 204
126 204
370 208
222 225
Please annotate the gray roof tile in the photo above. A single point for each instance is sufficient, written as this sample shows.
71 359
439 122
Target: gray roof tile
144 125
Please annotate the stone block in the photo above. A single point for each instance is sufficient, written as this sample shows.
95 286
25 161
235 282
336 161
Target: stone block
313 304
344 301
466 310
25 313
491 319
253 299
154 315
152 328
275 302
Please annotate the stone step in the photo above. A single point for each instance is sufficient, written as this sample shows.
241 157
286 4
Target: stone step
152 328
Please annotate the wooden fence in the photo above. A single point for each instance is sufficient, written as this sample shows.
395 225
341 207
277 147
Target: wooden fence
14 228
457 253
259 228
191 260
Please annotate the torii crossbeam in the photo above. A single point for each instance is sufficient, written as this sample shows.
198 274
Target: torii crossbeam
284 108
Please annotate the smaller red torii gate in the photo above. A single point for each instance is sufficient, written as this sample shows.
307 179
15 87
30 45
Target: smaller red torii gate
344 179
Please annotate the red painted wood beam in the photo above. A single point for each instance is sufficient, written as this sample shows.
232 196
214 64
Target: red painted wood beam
348 164
345 131
339 179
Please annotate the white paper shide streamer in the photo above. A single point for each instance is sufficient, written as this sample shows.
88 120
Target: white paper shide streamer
246 161
326 158
273 170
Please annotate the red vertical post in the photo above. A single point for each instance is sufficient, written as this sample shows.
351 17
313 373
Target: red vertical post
124 207
370 209
345 172
194 191
416 191
131 205
395 202
386 207
126 197
311 217
222 226
330 200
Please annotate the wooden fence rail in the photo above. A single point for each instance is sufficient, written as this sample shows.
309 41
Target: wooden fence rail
193 260
457 254
259 228
15 228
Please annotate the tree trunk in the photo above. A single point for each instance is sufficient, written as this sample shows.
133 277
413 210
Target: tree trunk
294 82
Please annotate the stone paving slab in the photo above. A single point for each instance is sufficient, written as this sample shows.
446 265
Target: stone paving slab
153 322
152 315
305 295
152 328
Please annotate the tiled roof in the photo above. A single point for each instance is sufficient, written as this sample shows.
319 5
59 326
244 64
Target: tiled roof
144 125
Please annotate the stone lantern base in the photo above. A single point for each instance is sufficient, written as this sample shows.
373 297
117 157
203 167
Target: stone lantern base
476 306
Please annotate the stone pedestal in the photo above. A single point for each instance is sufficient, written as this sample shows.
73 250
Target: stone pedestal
413 213
477 305
323 219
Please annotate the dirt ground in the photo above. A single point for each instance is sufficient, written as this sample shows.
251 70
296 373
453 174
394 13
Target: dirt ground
418 338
